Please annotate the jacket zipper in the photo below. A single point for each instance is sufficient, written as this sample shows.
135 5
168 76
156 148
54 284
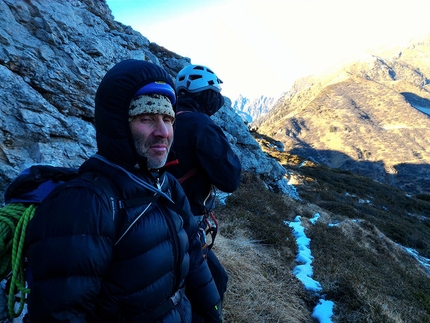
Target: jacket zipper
175 239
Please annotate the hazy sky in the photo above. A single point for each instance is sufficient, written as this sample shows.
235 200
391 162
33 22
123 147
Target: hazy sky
259 47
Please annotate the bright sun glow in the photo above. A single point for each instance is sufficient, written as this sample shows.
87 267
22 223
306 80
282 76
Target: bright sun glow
259 47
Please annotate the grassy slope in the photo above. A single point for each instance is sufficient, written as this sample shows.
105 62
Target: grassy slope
357 261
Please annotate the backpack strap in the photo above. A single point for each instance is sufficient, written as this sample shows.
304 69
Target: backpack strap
187 175
108 188
113 196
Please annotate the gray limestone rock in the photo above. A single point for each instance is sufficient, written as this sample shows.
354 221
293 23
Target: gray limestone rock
53 55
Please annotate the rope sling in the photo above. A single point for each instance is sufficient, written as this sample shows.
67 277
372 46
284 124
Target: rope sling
14 219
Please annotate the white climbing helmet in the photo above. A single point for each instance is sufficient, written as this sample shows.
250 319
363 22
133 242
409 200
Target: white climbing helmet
197 78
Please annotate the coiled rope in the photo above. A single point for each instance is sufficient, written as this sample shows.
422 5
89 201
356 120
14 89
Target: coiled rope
14 219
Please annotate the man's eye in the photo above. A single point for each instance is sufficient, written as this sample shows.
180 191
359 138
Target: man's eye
145 119
168 119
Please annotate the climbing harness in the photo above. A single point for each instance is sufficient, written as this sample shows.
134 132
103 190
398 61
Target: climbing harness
210 226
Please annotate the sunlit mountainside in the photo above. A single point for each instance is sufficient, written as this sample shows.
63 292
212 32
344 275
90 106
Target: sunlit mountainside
371 117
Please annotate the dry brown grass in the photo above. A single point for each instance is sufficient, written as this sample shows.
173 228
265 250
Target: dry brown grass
366 274
258 252
261 286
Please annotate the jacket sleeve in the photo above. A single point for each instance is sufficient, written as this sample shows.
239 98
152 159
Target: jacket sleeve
70 244
218 159
200 286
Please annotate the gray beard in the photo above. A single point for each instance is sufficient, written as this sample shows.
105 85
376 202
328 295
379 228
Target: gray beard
151 163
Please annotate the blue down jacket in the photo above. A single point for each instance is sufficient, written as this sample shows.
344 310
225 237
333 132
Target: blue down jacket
86 266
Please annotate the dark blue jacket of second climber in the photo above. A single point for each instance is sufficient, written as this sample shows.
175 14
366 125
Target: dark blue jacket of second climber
200 144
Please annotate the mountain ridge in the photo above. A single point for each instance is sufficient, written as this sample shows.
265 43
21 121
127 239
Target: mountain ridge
372 113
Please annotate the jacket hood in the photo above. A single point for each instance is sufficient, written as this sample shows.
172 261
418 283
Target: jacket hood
117 88
207 102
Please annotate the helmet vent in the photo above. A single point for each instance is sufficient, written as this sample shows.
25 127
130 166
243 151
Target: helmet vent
194 77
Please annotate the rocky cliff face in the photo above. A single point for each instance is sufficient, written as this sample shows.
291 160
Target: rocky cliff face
53 55
371 117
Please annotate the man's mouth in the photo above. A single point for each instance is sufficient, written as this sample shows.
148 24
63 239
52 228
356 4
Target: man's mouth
159 148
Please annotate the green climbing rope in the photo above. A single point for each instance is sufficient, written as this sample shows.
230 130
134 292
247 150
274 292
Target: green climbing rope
9 217
14 219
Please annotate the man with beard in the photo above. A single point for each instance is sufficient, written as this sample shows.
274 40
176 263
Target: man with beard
128 257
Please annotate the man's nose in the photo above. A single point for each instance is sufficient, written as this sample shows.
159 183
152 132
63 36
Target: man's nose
161 129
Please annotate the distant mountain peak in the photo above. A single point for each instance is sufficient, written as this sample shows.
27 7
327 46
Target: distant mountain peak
252 109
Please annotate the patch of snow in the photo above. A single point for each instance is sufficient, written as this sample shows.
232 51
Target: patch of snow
394 126
287 188
361 201
304 257
222 196
315 218
304 272
323 311
422 260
